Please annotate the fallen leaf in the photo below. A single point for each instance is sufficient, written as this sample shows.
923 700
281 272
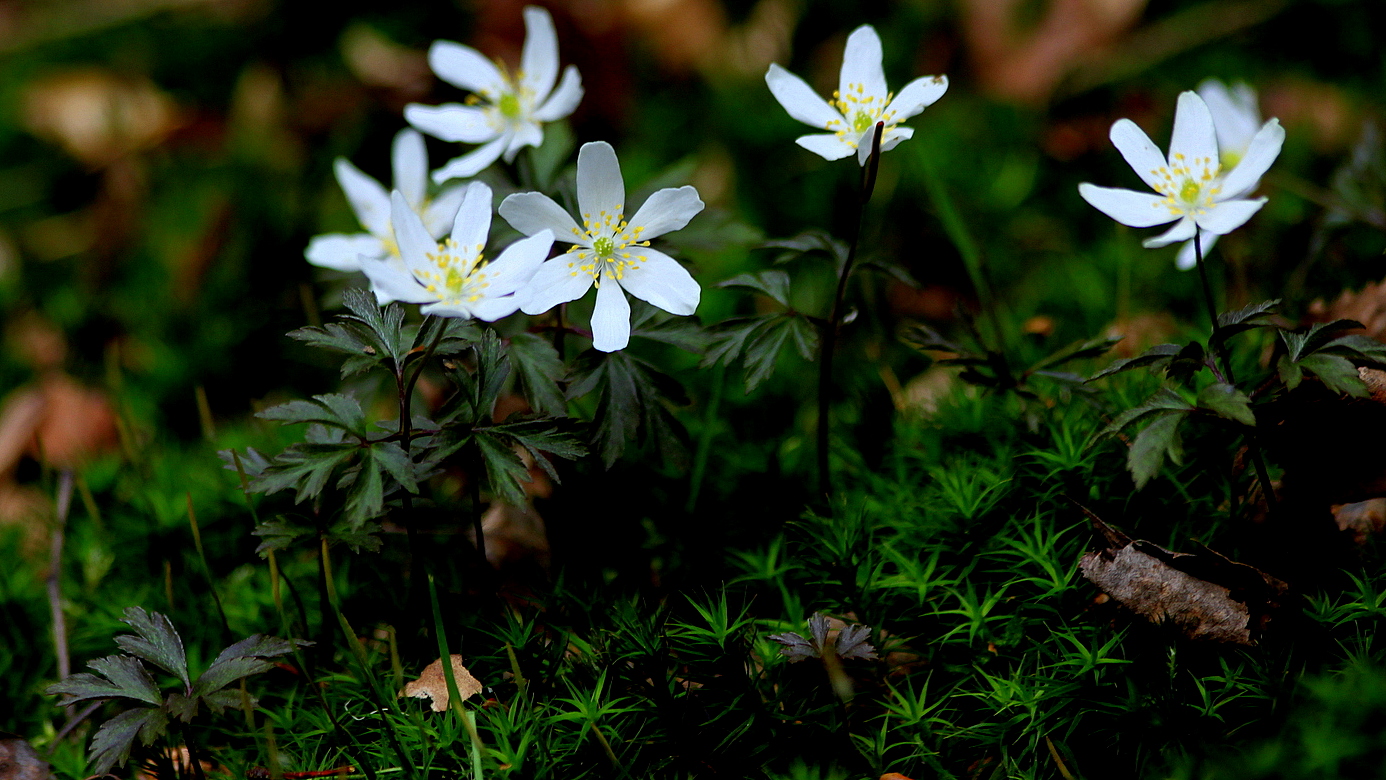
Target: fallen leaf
1367 306
1206 596
19 761
845 642
431 683
1362 520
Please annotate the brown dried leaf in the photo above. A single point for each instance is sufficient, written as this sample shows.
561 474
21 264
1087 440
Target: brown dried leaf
1367 306
433 685
1205 595
19 761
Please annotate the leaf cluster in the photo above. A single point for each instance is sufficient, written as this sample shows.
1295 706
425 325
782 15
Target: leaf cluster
151 711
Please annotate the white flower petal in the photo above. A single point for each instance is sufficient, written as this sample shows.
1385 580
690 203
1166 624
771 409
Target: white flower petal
1187 259
610 318
531 212
891 138
661 281
473 222
1138 151
460 311
451 122
492 309
799 99
522 135
342 252
471 163
465 67
368 199
1236 117
557 281
666 211
1262 151
391 282
1182 230
539 59
861 65
441 212
1194 138
414 242
917 96
826 145
1229 215
410 160
599 184
517 265
1135 209
563 100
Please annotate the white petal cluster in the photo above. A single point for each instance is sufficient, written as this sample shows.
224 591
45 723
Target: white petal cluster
453 278
608 252
859 103
505 111
1236 119
1194 191
371 202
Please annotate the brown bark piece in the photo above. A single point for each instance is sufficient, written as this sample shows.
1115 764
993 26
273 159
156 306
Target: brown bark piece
19 761
433 685
1206 596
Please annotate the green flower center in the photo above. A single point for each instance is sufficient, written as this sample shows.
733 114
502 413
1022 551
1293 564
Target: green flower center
862 121
604 246
509 105
1189 192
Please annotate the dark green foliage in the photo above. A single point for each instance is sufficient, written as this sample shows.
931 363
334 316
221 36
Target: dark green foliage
156 642
633 404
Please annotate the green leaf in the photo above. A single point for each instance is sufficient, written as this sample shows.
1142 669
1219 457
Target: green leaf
115 738
278 534
1190 360
889 268
505 471
304 467
805 335
763 350
333 410
1320 335
155 641
1158 440
125 678
541 437
632 399
729 339
1337 373
1162 402
365 492
362 537
538 369
385 324
1155 357
1256 315
682 332
1078 350
773 283
1227 401
1290 372
810 242
243 659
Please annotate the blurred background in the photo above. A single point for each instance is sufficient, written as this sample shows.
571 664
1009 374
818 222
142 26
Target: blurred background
163 164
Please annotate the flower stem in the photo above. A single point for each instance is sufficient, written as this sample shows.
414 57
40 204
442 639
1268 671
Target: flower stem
825 363
1217 346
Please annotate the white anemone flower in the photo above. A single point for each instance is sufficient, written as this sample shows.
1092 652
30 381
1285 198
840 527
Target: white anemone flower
505 111
608 252
859 102
1236 118
371 202
1194 191
453 279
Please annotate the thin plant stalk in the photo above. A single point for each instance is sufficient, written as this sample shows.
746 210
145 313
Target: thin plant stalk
454 695
1253 446
829 340
206 567
55 564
